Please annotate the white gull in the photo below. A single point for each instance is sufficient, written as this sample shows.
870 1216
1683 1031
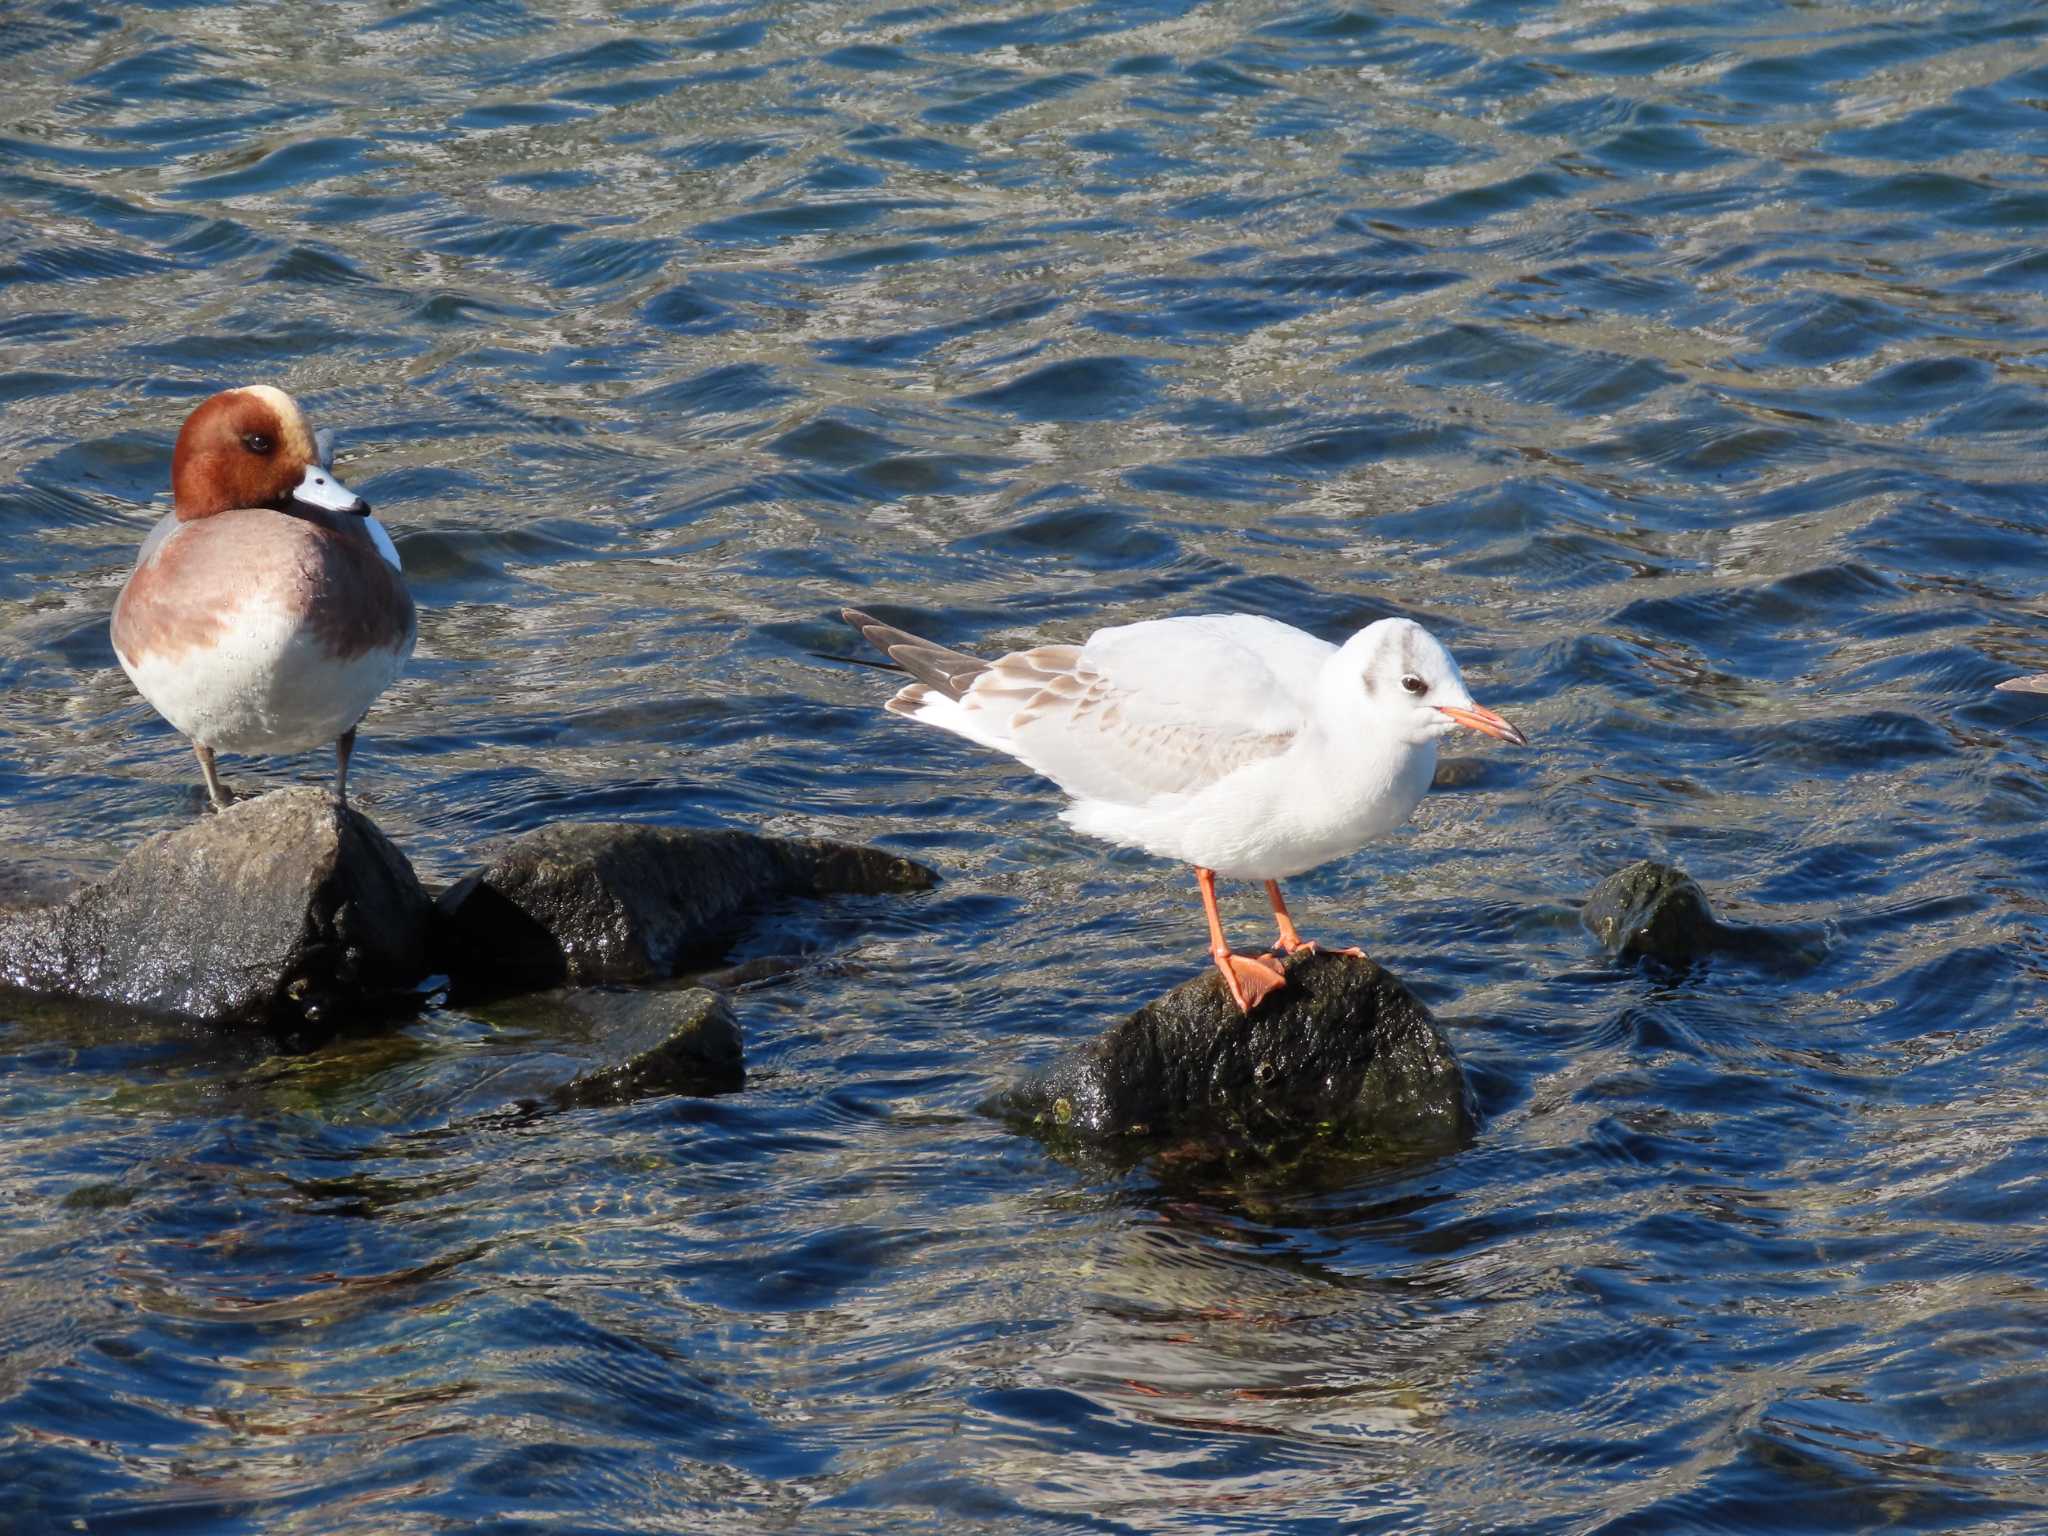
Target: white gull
1243 746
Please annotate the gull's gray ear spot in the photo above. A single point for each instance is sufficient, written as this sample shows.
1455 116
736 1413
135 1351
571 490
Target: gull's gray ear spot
323 448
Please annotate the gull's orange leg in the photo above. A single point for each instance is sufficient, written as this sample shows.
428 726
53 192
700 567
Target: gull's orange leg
1249 980
1290 941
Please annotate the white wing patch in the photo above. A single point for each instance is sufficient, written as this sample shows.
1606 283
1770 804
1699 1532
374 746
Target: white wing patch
323 451
383 542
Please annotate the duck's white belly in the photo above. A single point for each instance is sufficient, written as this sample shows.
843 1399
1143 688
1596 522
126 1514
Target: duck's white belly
266 683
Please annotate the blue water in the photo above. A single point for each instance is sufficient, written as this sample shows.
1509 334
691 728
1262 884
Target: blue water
1681 367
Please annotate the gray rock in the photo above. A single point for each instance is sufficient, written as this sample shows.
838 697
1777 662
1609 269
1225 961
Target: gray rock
618 902
1651 911
281 911
1343 1058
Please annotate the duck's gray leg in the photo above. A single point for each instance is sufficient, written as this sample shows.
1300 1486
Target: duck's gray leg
343 745
216 791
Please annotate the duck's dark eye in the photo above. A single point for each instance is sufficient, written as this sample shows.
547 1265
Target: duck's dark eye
1415 685
256 442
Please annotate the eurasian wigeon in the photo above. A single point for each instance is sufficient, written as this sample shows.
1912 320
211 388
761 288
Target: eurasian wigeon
266 611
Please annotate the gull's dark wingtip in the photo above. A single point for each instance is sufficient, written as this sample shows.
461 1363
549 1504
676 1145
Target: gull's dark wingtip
951 672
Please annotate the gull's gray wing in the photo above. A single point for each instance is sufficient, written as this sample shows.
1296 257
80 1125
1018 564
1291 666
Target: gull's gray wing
1166 707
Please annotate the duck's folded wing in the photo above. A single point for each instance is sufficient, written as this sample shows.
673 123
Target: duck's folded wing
160 531
1148 710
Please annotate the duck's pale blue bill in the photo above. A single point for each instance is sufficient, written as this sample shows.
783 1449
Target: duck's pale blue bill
318 488
1485 720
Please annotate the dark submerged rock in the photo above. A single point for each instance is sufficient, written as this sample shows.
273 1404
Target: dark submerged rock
1343 1057
620 902
1459 772
282 911
508 1062
763 970
1652 911
655 1042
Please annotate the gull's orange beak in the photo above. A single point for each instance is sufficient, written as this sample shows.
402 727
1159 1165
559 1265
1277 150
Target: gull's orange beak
1485 720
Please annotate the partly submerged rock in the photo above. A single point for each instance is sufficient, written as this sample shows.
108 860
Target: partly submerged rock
1344 1056
764 970
1652 911
280 911
520 1057
675 1041
619 902
578 1046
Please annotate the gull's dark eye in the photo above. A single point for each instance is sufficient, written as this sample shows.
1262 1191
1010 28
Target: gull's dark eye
1415 685
256 442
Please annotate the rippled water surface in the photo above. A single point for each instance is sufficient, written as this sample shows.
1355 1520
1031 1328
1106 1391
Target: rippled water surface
1680 365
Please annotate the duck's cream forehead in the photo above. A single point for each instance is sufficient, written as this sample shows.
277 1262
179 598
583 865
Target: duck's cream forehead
294 436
